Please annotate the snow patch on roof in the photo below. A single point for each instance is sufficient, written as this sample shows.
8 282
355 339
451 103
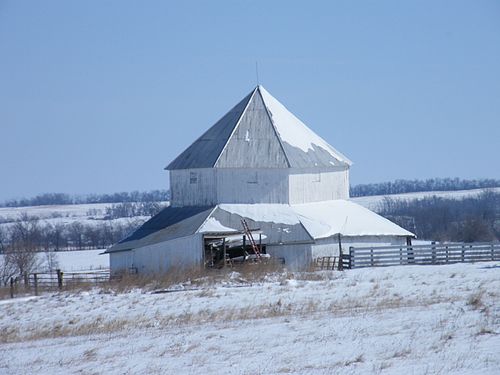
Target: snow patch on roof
213 225
326 219
271 213
293 131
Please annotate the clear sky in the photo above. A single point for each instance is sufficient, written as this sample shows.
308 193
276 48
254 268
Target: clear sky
99 96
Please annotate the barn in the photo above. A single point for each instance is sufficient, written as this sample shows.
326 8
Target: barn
259 166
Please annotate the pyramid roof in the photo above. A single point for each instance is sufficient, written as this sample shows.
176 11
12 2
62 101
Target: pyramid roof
259 132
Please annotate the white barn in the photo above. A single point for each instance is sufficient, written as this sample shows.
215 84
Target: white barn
259 163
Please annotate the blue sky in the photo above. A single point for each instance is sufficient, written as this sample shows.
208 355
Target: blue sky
99 96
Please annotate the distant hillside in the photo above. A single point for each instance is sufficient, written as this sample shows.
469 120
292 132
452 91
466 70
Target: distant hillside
412 186
51 199
472 218
362 190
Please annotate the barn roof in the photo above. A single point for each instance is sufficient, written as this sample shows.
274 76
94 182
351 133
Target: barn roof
170 223
281 223
259 132
330 218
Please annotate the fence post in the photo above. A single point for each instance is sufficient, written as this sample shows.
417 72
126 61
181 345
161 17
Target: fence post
463 253
401 256
59 278
35 281
351 254
409 251
11 287
433 248
371 256
446 248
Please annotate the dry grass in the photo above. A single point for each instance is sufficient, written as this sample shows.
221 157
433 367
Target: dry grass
475 300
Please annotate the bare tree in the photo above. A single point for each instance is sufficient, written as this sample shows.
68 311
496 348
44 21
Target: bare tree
25 239
51 260
7 268
3 239
76 234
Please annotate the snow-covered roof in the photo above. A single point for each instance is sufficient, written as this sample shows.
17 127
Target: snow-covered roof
281 223
329 218
259 132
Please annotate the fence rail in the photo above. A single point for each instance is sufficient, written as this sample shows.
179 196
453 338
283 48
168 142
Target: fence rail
34 282
421 254
325 263
59 278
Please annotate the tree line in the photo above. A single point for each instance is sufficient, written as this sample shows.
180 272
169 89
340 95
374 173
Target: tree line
469 219
29 232
65 199
382 188
431 184
29 243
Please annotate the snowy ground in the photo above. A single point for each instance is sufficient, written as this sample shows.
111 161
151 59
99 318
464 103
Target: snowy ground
407 319
82 260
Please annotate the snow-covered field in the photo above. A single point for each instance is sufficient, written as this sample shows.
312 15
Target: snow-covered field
82 260
375 202
95 212
396 320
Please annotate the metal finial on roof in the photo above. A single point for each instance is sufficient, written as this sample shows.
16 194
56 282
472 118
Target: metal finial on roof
257 71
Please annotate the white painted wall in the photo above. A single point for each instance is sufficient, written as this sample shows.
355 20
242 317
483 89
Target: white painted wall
183 252
121 261
297 257
210 186
235 185
316 185
193 187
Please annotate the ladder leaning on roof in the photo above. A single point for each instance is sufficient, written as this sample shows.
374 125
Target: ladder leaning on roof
248 233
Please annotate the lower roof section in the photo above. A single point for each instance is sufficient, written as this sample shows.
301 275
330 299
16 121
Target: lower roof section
169 223
281 223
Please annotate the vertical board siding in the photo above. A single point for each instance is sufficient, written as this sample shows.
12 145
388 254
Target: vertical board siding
210 186
185 192
182 253
318 185
237 185
120 261
254 143
297 257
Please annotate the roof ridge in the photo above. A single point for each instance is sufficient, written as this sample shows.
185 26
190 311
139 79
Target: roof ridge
235 126
269 115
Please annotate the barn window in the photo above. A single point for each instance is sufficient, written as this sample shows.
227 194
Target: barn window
193 178
252 178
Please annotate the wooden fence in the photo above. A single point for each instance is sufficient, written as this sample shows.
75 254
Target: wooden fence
34 282
421 254
325 263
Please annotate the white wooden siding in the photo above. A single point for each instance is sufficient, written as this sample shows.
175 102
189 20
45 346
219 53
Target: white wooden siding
311 185
210 186
182 253
297 256
186 192
120 261
235 185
